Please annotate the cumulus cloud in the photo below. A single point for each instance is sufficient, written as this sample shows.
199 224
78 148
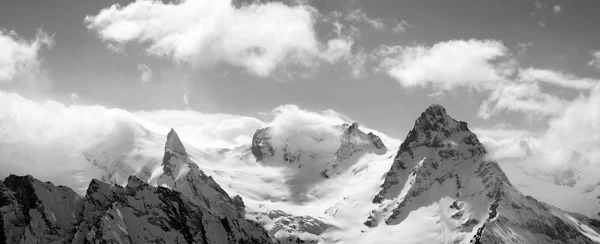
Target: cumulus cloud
445 65
207 32
46 138
571 140
485 66
145 73
20 57
596 61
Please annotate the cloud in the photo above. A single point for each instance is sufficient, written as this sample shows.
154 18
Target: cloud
145 73
571 140
557 78
74 98
543 11
47 138
51 140
484 66
526 98
69 145
556 9
20 57
596 61
401 27
203 130
207 32
445 65
186 93
523 47
359 16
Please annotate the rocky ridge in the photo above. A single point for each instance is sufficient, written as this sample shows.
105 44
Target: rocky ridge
32 211
442 161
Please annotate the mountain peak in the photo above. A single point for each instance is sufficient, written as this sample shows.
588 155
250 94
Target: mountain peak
174 144
436 109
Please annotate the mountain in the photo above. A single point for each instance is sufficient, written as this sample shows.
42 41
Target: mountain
323 183
180 173
442 164
32 211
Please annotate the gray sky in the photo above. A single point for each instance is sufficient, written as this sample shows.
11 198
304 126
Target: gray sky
556 36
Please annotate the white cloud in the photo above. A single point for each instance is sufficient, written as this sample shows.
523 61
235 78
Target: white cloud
359 16
571 140
484 66
19 56
186 93
203 130
596 61
259 37
48 139
145 73
523 47
557 78
557 9
445 65
401 27
526 98
543 11
74 98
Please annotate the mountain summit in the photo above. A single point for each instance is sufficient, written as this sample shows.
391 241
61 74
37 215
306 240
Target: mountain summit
442 163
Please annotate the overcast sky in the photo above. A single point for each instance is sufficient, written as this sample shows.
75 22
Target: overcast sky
507 67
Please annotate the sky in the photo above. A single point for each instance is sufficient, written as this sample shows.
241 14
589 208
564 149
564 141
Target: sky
523 74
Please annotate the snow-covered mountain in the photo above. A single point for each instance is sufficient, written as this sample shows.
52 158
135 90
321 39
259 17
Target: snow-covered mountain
442 165
333 183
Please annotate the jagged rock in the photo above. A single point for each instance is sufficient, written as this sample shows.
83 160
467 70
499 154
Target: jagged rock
182 174
32 211
261 145
37 212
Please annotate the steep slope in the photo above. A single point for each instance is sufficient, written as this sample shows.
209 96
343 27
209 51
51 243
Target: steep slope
38 212
440 171
314 171
180 173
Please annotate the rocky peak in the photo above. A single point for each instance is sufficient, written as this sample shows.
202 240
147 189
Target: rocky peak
261 144
442 162
174 144
175 157
182 174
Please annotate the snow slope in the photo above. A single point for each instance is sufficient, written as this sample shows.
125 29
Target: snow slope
338 183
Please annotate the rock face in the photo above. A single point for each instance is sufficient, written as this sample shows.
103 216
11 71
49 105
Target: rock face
182 174
37 212
32 211
261 145
353 144
195 210
442 162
